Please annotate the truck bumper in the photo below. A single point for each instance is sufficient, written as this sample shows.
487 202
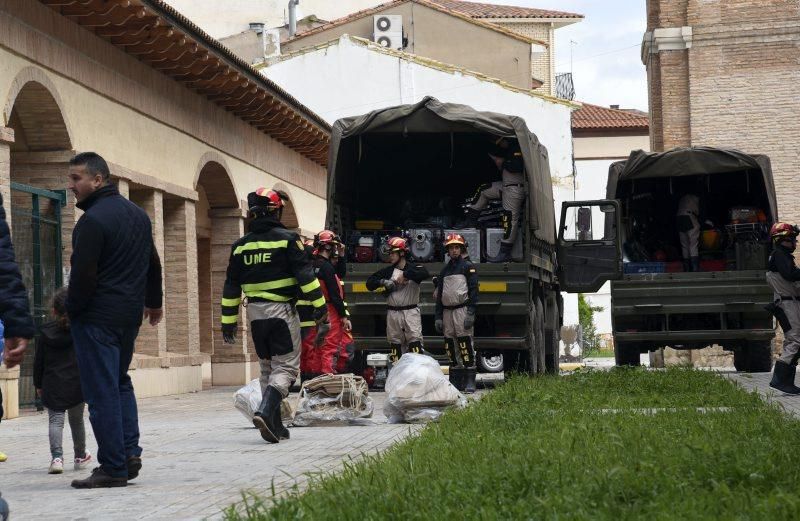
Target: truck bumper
675 338
379 344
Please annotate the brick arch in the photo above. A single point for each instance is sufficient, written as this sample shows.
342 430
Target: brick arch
214 176
289 217
36 113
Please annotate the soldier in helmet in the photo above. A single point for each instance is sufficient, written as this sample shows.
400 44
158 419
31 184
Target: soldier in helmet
507 156
784 278
270 266
400 283
456 303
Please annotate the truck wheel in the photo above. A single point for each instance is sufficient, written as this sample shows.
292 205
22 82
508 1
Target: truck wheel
533 357
755 357
625 353
541 347
490 362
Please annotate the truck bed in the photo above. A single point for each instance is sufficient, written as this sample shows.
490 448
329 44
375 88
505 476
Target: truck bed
688 310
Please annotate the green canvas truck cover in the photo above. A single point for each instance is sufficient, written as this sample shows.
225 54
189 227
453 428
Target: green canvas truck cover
431 115
690 161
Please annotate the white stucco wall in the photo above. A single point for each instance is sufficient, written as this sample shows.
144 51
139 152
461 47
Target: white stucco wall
348 78
236 15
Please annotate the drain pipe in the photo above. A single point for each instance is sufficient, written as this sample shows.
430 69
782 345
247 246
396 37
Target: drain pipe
293 17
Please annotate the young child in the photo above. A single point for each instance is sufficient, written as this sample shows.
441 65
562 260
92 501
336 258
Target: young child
57 382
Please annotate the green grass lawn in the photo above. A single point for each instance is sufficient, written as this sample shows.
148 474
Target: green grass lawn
622 444
599 353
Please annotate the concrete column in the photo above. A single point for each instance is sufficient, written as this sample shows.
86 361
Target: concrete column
124 188
180 276
230 364
152 341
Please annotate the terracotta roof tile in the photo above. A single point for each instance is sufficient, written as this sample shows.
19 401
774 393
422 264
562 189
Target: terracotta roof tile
478 10
595 117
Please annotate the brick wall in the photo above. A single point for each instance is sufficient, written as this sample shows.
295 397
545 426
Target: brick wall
180 276
735 87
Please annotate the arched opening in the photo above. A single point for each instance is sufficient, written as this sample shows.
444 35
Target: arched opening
41 211
289 217
219 222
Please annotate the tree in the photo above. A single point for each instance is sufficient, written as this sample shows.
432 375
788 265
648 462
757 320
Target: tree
591 341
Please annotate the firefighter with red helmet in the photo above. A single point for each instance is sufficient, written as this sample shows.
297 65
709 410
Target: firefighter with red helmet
456 303
400 282
335 352
783 276
270 266
308 329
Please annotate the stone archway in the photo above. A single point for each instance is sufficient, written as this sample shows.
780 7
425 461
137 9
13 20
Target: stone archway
289 217
220 222
37 157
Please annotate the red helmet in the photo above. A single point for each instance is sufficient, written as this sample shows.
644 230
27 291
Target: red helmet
454 238
265 198
326 237
396 245
780 231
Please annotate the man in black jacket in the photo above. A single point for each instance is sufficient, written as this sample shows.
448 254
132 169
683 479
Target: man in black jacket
783 276
14 311
115 279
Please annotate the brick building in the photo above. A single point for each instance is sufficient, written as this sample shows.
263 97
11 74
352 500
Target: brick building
188 130
725 73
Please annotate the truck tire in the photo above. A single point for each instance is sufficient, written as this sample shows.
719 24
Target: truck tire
532 359
755 357
491 362
626 354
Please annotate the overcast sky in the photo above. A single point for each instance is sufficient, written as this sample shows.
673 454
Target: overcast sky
606 65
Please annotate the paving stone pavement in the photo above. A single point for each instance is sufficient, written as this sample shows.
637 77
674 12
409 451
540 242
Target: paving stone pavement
199 455
760 382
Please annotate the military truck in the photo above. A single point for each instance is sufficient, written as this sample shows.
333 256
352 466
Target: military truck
656 303
412 164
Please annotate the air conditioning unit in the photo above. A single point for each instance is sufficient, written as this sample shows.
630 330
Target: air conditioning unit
388 31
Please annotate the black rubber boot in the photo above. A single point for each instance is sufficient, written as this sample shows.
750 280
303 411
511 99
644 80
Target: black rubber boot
469 379
470 219
457 377
783 378
687 265
504 255
695 263
264 417
791 377
283 432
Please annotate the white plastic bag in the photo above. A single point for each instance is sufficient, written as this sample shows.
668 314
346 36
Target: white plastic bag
248 398
417 391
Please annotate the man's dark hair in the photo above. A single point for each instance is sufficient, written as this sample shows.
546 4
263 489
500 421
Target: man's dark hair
94 164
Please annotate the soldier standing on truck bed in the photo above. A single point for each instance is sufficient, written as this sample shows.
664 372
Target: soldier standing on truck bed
783 276
400 283
507 156
456 303
271 267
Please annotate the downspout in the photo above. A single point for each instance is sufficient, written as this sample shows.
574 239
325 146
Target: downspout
293 17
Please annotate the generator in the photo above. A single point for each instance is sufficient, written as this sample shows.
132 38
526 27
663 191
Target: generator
362 246
493 238
424 243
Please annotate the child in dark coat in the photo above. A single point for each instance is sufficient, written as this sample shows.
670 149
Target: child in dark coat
58 383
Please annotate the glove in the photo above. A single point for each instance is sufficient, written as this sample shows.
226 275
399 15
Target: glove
229 333
322 332
439 324
469 320
388 284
